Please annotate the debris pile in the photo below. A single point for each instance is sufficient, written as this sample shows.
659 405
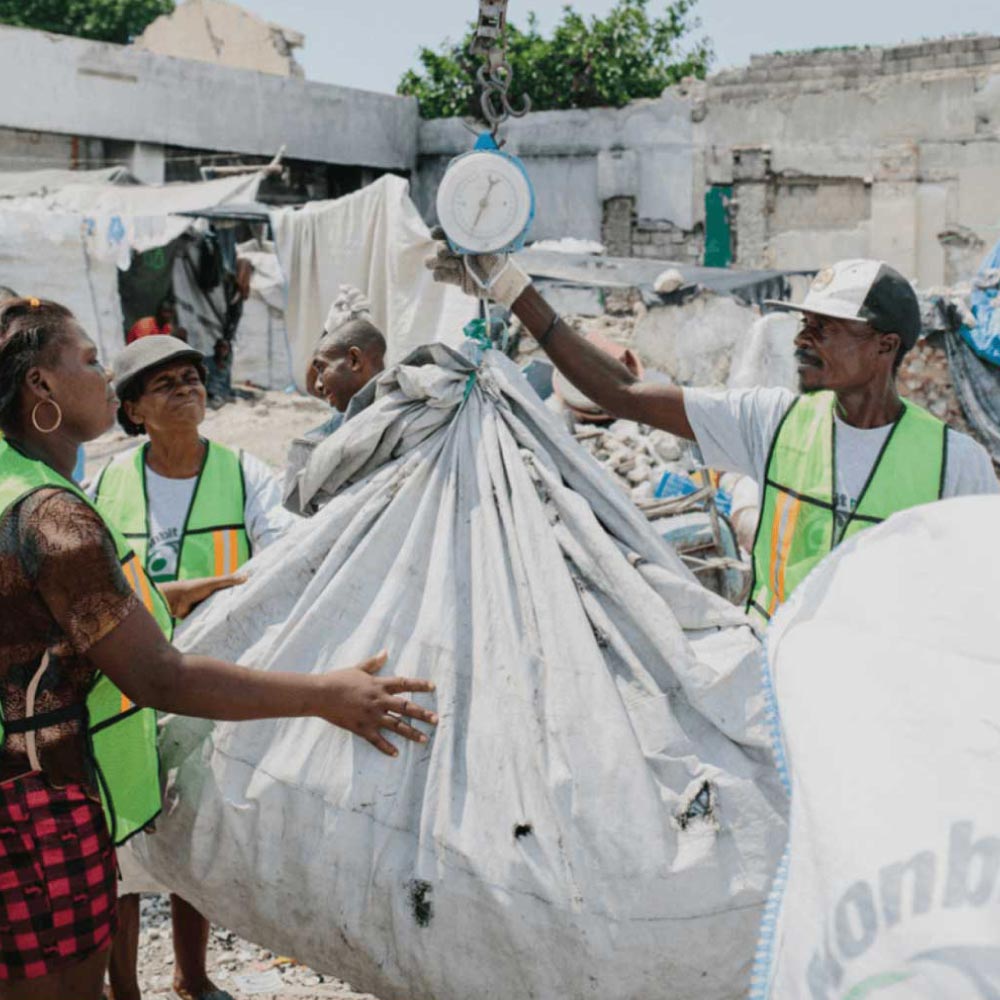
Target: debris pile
925 379
240 967
636 456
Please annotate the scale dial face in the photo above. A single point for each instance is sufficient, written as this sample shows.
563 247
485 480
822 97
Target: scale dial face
484 202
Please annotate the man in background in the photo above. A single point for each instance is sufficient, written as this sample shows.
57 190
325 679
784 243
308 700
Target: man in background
219 374
342 370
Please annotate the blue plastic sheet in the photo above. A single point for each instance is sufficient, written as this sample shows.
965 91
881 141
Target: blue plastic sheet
984 337
674 484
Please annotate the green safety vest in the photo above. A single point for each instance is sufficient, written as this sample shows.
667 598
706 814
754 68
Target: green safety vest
121 736
214 540
797 525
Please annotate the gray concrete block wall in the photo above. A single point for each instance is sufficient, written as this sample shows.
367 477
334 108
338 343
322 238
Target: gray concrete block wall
69 86
617 226
861 64
663 241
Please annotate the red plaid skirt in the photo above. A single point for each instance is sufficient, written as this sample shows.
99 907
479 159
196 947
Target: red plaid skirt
58 878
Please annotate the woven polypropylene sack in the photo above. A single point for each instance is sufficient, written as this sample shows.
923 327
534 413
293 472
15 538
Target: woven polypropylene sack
885 671
597 814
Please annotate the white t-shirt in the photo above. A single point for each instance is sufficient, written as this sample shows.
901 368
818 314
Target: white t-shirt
170 499
735 427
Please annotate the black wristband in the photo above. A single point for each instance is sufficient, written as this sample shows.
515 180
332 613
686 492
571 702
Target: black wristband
548 330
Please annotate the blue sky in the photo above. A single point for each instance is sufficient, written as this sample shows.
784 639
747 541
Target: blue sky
369 43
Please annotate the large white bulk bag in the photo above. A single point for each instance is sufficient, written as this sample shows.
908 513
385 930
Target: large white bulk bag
597 815
886 670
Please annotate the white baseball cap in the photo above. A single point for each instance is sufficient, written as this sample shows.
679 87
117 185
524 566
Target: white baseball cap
867 290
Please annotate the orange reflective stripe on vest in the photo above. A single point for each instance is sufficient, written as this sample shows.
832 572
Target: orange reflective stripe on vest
798 519
214 540
227 554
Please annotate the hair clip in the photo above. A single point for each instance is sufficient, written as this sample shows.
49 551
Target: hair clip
34 303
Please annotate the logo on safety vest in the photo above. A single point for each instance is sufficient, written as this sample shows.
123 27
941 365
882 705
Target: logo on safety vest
823 279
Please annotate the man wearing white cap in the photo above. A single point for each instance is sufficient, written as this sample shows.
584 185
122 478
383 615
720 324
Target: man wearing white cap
844 453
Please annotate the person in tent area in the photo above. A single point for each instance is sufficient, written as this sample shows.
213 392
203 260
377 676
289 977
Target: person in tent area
219 374
843 453
85 658
192 509
160 323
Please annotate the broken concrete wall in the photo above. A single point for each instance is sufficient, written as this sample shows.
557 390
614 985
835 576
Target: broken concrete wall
630 170
222 33
876 152
892 153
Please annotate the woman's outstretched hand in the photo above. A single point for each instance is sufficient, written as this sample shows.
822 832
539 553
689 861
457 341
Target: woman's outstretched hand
356 700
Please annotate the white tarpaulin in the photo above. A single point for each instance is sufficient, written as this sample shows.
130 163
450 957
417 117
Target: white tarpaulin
65 237
885 667
46 254
125 217
375 240
261 354
39 183
597 815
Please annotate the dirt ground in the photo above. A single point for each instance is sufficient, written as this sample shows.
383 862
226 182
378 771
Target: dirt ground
242 969
262 425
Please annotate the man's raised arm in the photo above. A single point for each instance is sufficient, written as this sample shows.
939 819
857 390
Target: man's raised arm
600 377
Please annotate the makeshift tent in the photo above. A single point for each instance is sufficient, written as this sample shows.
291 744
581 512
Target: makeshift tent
885 673
48 255
262 354
977 384
984 335
65 234
974 354
375 240
39 183
597 815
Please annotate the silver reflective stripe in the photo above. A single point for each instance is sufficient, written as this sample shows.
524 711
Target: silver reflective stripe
29 712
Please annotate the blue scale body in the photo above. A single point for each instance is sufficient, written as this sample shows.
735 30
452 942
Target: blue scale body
487 144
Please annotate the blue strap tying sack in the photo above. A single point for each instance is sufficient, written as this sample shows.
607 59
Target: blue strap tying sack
479 331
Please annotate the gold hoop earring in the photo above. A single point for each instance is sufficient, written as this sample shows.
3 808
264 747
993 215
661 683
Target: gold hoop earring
34 417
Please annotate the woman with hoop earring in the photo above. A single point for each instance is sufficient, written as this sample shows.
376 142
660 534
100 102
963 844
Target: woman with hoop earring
85 658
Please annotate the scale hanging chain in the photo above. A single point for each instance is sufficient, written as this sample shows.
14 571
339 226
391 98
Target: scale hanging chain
495 75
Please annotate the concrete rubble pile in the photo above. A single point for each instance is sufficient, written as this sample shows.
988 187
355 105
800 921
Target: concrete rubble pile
925 378
636 456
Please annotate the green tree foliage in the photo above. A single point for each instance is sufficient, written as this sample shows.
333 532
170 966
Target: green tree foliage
596 62
102 20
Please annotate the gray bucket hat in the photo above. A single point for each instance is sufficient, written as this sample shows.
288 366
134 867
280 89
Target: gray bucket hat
150 352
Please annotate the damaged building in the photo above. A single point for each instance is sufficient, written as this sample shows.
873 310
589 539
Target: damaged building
792 161
208 87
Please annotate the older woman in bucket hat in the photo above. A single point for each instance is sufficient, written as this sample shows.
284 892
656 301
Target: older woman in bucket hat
194 511
85 657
